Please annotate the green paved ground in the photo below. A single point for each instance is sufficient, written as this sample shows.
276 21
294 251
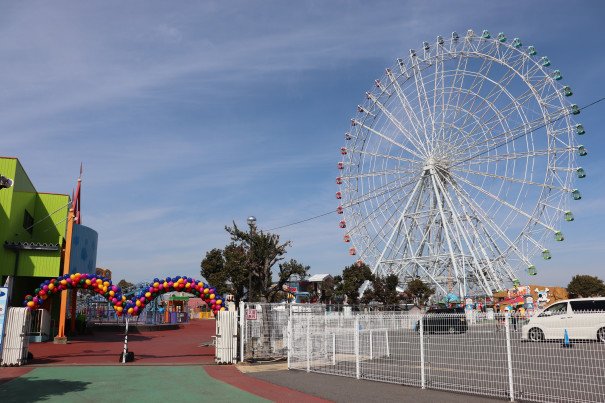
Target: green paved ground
124 384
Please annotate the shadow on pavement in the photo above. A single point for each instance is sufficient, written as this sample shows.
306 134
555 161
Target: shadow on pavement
26 389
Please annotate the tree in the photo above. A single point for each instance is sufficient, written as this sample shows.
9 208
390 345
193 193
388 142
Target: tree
384 289
351 280
585 286
225 270
123 284
419 291
286 270
262 252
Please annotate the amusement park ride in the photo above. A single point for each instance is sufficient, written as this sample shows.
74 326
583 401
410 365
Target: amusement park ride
460 165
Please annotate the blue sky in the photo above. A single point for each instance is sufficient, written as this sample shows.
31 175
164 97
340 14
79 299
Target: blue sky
190 115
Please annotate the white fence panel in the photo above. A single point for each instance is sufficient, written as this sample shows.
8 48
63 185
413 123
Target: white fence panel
16 337
490 355
226 337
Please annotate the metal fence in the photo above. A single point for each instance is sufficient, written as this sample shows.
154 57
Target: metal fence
263 328
16 340
476 354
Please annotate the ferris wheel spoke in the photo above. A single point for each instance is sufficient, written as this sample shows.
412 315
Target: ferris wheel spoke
370 215
485 66
389 157
509 179
409 111
469 245
380 173
505 203
466 199
423 100
390 140
483 159
380 190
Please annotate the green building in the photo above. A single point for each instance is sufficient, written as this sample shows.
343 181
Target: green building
32 232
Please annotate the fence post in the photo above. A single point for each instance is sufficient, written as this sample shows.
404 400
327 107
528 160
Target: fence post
333 348
371 349
241 330
308 342
386 335
422 376
509 359
290 337
356 337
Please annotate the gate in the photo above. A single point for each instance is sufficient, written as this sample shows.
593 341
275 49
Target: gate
16 337
226 337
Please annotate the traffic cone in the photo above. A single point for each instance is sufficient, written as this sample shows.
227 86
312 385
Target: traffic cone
566 343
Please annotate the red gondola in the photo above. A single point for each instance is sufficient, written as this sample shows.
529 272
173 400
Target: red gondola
352 252
338 195
339 210
339 181
343 224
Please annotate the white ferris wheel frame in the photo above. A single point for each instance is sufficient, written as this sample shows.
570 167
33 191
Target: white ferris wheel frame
460 165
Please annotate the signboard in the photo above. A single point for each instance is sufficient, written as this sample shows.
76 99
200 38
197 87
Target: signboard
3 312
83 250
251 314
468 302
519 291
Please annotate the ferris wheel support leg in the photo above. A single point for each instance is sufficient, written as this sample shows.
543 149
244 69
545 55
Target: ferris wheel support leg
461 230
445 227
395 231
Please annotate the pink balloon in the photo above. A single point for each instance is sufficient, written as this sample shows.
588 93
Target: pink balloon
170 284
45 288
213 301
161 286
142 299
68 280
136 309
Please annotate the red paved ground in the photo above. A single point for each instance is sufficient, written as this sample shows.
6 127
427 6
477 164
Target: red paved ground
229 374
158 347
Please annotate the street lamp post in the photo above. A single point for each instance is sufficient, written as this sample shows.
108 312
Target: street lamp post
251 222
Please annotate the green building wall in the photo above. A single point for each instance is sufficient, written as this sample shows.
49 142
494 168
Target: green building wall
49 212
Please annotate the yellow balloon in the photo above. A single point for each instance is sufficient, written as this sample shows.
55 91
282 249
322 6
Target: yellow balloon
106 283
120 309
156 284
72 276
206 291
212 296
30 303
51 286
188 285
200 284
165 284
123 298
88 282
43 297
147 294
105 289
64 282
138 303
219 301
112 293
130 310
222 308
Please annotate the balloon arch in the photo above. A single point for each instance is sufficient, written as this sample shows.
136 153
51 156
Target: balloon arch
113 294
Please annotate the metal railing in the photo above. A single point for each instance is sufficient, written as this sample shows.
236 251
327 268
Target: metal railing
473 353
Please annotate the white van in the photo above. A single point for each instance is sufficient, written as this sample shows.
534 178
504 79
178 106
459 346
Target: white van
582 318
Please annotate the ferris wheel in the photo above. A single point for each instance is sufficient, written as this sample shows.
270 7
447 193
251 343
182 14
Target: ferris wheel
460 164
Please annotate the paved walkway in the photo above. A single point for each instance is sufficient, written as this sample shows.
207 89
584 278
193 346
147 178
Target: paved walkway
173 365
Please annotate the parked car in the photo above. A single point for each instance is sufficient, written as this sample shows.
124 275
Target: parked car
582 318
444 320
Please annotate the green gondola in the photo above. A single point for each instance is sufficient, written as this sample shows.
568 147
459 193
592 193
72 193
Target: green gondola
546 254
517 43
532 270
581 173
576 194
559 236
558 75
532 51
567 91
545 61
582 151
580 129
569 216
502 37
486 34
